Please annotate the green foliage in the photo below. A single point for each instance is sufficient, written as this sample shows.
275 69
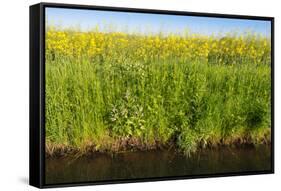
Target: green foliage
126 117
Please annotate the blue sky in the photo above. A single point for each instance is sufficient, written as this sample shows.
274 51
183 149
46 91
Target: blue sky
151 23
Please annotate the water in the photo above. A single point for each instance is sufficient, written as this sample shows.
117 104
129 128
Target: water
159 163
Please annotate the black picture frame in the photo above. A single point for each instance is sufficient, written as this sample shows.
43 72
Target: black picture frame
37 92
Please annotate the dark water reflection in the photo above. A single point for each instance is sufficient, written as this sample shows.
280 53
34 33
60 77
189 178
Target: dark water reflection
148 164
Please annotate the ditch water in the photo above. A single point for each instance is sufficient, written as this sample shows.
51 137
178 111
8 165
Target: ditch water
157 163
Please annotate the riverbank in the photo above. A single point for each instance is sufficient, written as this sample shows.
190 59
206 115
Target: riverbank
196 105
131 145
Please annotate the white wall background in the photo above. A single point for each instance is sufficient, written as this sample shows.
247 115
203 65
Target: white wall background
14 67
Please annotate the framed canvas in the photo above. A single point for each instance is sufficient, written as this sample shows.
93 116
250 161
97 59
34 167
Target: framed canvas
125 95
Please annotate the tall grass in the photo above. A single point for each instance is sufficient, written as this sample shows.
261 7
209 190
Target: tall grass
114 92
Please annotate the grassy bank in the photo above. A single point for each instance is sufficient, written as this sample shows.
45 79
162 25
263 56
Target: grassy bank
114 92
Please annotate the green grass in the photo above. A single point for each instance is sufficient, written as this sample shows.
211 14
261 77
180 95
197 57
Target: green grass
107 106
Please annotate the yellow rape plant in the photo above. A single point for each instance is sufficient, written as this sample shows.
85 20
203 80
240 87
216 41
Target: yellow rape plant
216 50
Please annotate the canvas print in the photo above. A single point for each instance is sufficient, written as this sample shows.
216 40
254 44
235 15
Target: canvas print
142 95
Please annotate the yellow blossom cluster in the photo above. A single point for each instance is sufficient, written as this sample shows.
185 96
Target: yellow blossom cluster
229 49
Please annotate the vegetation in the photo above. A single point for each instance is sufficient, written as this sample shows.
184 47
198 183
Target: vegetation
114 92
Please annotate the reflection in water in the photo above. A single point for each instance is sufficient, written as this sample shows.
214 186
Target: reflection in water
147 164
